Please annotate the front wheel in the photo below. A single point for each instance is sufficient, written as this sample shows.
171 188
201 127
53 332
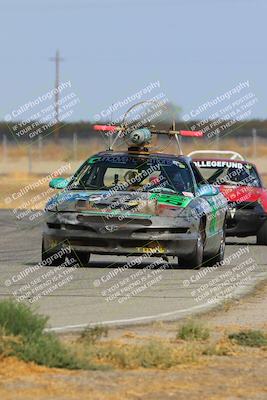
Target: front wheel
50 256
195 260
83 258
262 234
218 257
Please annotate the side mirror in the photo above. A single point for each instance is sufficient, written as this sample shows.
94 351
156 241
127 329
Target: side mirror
58 183
207 190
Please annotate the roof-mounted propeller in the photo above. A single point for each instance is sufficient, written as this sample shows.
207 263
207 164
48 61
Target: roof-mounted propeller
140 137
137 136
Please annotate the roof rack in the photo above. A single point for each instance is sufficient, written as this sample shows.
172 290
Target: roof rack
233 154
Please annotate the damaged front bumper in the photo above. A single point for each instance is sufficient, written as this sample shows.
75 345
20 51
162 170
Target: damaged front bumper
91 233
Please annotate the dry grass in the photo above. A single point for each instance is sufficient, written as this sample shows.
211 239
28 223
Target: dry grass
50 151
22 335
152 354
35 198
64 150
220 378
151 351
155 368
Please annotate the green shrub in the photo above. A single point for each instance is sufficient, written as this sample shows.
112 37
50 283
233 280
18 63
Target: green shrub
154 354
19 320
47 350
192 331
22 335
249 338
92 335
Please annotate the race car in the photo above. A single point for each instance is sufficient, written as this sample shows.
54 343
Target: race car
241 184
137 202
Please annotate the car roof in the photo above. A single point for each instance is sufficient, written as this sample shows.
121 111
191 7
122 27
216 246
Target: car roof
148 154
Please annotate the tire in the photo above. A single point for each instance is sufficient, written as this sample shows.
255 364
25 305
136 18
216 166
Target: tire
196 259
262 235
48 253
83 258
219 256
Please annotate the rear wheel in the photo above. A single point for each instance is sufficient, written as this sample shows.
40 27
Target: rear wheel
262 234
196 259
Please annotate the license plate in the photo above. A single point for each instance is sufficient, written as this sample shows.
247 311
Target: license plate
151 249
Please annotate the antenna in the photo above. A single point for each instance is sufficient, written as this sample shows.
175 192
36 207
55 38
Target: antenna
177 138
57 59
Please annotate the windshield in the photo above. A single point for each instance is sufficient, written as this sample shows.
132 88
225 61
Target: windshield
130 173
231 173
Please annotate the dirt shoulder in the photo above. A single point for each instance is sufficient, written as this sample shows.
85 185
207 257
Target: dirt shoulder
232 372
235 377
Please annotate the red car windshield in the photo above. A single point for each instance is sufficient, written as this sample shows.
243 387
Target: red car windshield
230 173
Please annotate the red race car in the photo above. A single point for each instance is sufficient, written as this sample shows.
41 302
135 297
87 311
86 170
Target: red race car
241 184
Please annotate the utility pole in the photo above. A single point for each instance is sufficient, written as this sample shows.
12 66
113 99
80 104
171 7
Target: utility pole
217 141
254 138
4 148
57 59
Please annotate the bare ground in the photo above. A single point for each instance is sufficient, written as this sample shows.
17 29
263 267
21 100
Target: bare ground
241 375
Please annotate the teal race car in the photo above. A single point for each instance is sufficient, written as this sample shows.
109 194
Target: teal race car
136 202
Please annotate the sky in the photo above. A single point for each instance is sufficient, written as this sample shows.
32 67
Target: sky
196 49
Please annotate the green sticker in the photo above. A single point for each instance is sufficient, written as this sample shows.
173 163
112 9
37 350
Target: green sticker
174 200
93 160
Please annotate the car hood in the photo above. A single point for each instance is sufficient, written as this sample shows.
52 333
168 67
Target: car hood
134 203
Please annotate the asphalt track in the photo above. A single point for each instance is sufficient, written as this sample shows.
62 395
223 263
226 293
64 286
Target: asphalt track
102 293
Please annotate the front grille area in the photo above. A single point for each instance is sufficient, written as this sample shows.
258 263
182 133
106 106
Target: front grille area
113 220
111 244
71 227
162 230
78 227
138 243
99 242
